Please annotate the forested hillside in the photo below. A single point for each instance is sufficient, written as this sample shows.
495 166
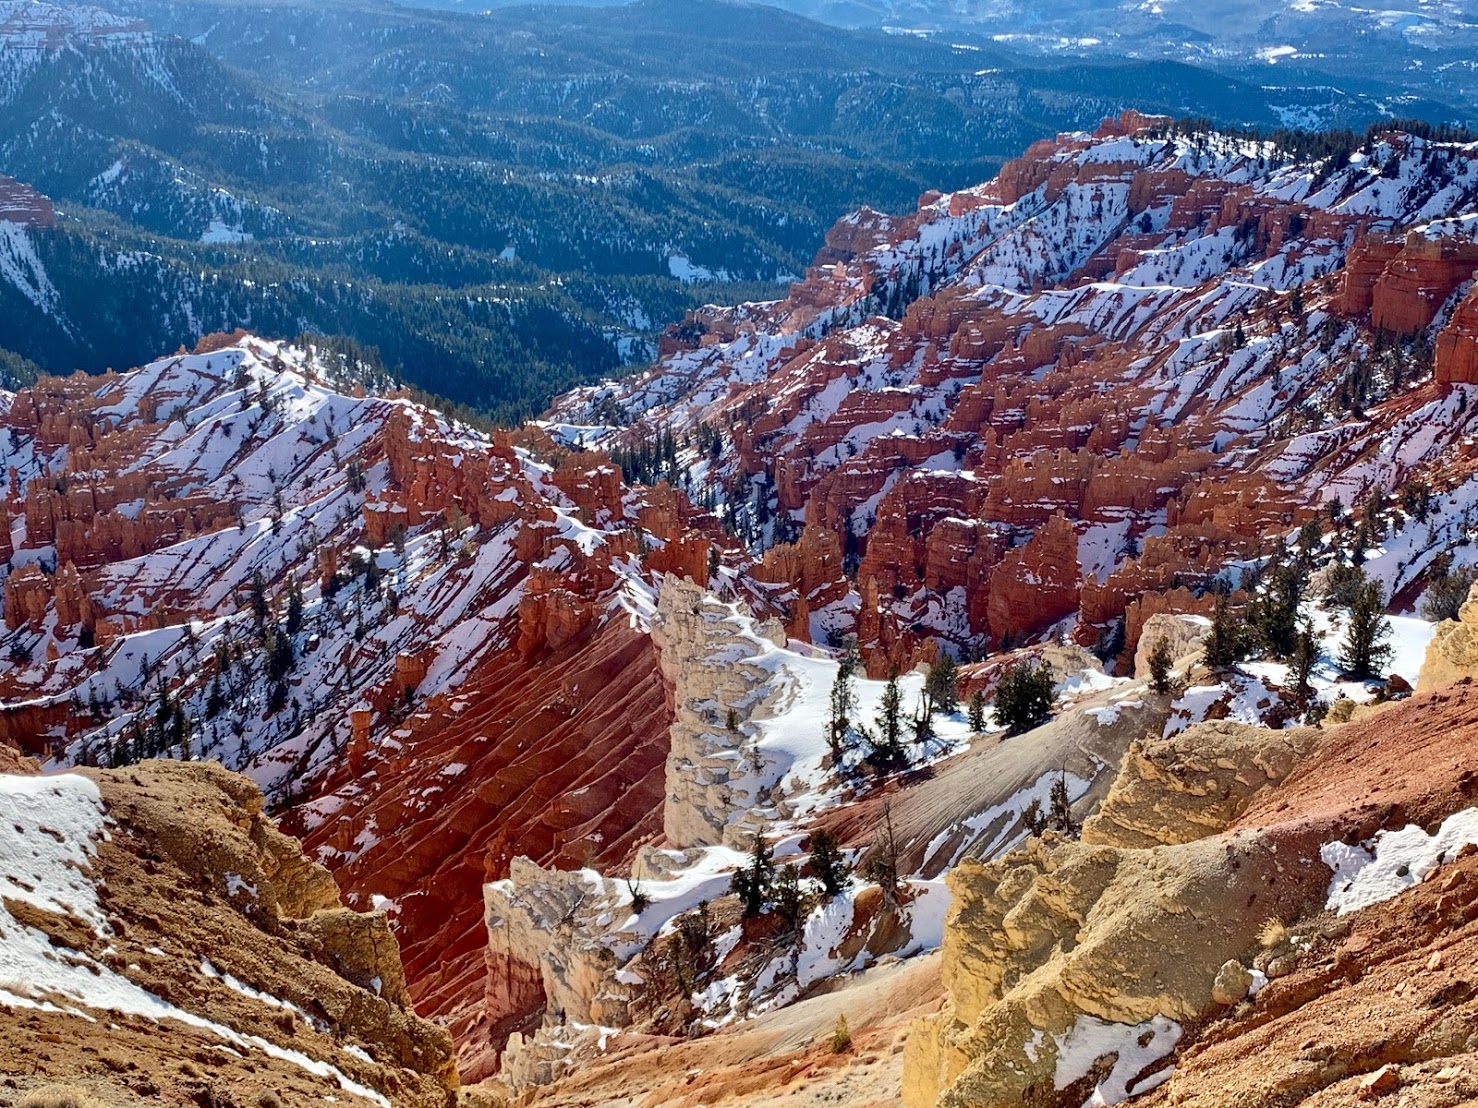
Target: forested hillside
507 205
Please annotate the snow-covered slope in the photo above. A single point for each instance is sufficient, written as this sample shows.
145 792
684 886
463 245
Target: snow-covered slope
1150 334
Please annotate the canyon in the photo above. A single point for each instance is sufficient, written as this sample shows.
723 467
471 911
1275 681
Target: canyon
531 695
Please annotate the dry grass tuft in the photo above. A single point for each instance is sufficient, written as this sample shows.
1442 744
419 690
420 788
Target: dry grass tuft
59 1096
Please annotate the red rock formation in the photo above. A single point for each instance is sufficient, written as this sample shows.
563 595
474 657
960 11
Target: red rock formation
1403 281
1457 346
1037 584
556 755
22 204
1415 283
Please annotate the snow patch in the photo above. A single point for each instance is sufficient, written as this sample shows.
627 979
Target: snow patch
1393 861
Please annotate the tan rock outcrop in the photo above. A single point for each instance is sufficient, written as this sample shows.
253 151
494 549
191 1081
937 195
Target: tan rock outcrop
1453 652
217 913
1132 927
704 645
1182 634
1046 947
1193 784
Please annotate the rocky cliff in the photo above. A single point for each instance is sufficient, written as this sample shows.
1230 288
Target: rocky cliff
533 694
165 940
1206 897
1066 397
405 630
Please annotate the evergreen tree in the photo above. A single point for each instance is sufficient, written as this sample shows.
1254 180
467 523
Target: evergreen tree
752 884
1226 642
1360 542
1342 584
1310 541
1301 667
1060 809
843 704
1448 591
1365 650
280 655
940 685
828 864
977 710
881 864
887 741
258 591
1161 664
923 720
294 608
1032 818
1024 696
1273 613
787 894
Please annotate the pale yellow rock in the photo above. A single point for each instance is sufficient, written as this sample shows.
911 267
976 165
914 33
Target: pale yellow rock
1184 635
1193 784
1136 923
1453 652
706 647
1233 983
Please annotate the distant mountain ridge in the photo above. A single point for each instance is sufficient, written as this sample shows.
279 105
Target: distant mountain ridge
505 205
1425 49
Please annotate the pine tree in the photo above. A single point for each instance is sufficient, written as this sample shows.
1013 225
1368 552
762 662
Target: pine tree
977 710
294 609
1365 650
1161 664
1273 613
1342 584
828 864
280 655
1310 541
1024 696
787 894
1448 591
1301 667
881 864
843 704
752 884
940 685
1226 642
1060 809
258 591
887 742
923 719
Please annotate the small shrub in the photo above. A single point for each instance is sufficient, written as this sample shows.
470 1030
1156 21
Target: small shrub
640 901
1341 710
841 1036
1272 933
